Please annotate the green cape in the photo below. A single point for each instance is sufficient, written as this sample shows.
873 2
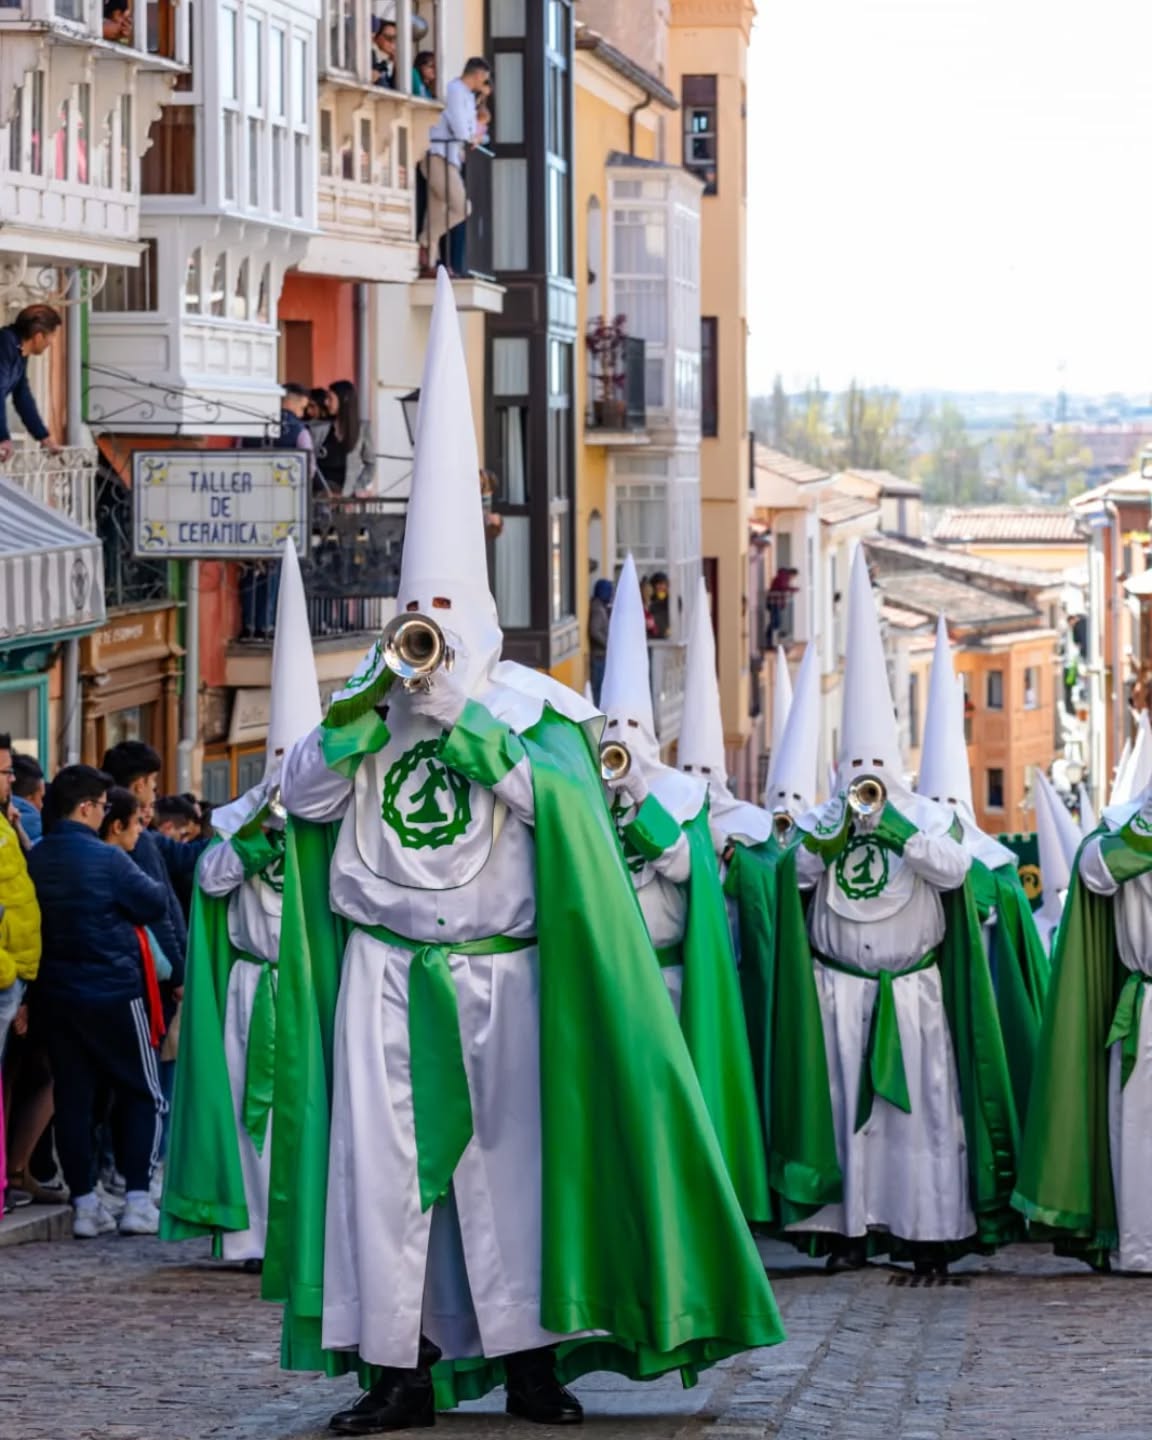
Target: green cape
785 1031
203 1181
1065 1185
644 1237
712 1019
1020 968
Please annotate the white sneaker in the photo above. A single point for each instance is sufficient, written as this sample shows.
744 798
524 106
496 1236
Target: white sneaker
140 1217
113 1203
89 1221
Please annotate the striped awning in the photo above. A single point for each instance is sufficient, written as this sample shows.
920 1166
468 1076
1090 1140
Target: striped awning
51 571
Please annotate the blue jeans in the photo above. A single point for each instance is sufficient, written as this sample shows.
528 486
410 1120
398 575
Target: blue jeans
259 591
10 1001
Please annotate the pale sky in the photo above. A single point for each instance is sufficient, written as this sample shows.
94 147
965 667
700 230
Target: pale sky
951 193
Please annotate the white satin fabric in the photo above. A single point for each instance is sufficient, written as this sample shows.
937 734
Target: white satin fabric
660 884
1130 1107
245 1244
903 1173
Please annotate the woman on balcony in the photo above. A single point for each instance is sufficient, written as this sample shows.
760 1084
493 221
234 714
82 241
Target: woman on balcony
348 458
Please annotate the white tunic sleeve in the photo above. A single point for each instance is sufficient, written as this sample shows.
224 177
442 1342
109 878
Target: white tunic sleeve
515 791
675 863
308 788
221 871
809 868
1094 870
938 860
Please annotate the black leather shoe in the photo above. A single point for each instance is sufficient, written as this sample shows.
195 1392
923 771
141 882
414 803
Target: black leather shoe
400 1400
535 1394
848 1255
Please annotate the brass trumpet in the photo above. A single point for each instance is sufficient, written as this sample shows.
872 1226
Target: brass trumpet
782 823
615 760
276 805
414 649
867 794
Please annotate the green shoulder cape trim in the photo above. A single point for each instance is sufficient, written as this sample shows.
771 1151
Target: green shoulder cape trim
644 1237
1021 969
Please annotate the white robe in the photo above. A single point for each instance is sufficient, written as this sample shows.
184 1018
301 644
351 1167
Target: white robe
903 1173
1130 1106
468 1272
254 914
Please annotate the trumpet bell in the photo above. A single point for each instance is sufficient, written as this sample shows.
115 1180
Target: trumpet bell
615 760
867 795
782 824
276 805
415 648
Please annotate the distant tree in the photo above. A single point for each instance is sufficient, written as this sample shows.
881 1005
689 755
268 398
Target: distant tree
949 469
870 436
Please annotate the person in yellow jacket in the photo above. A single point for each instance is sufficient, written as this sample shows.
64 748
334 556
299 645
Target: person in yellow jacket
19 911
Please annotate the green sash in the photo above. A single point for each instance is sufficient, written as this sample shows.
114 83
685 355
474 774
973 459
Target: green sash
441 1101
882 1072
1126 1023
260 1061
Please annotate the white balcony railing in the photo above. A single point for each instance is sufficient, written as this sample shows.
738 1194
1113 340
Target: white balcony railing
64 481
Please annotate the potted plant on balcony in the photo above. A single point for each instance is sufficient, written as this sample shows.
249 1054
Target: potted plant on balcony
606 346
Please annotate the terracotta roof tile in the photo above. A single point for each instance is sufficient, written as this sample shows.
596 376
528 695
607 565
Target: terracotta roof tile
1009 525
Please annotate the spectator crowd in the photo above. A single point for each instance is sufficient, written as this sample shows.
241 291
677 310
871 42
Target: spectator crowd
96 877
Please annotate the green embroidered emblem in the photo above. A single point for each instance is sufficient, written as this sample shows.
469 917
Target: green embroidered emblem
365 673
862 869
1141 823
426 804
832 821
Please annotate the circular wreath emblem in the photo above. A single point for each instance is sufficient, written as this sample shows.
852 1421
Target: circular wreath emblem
862 868
273 873
1141 823
365 671
831 822
424 802
1031 881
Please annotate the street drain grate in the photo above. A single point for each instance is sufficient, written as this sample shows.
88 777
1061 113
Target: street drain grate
929 1281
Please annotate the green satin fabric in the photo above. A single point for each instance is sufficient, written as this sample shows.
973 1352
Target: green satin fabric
1125 1027
203 1178
785 1032
260 1061
1126 854
670 956
441 1101
1065 1185
1022 972
882 1072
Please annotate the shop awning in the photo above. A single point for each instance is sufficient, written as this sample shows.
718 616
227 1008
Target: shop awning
51 571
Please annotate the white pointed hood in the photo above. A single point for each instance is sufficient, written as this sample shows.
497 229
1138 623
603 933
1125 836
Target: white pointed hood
1057 844
945 776
294 706
792 777
701 746
444 568
1119 791
781 698
1132 783
626 700
1088 821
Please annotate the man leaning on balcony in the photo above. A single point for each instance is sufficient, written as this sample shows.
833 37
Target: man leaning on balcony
455 133
31 333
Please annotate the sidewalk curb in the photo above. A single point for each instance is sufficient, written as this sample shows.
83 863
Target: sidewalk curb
33 1223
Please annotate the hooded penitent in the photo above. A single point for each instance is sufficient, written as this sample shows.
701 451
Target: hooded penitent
1088 821
701 746
459 887
1057 840
218 1170
791 786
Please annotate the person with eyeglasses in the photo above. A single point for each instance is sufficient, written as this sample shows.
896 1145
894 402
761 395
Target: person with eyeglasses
90 1001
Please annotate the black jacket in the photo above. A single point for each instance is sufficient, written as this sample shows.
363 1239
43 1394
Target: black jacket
92 898
14 383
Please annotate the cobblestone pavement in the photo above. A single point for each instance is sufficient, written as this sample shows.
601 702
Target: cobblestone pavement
133 1340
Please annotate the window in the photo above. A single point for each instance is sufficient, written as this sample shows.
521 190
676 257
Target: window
326 142
278 111
709 377
914 711
513 572
561 539
263 298
193 304
253 63
510 213
510 387
994 693
508 83
995 790
254 128
16 130
231 134
299 170
506 21
84 134
240 293
218 299
130 288
169 165
364 150
698 96
342 35
278 141
63 135
229 77
1031 688
36 126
